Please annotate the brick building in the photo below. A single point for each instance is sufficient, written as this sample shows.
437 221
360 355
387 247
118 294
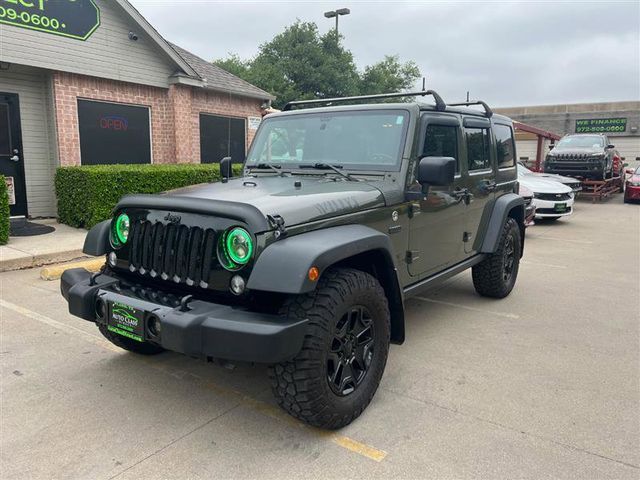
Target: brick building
88 82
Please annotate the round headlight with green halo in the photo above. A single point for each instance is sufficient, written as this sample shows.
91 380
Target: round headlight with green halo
121 229
239 245
236 247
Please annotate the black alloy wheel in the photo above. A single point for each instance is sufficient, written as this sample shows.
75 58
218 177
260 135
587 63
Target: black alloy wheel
351 352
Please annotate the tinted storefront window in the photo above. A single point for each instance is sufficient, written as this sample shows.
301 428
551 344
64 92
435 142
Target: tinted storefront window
221 137
111 133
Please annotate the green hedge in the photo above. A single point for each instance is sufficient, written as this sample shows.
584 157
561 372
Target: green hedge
4 212
87 195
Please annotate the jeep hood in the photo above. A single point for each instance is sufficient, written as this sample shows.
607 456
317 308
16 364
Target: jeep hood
316 198
576 151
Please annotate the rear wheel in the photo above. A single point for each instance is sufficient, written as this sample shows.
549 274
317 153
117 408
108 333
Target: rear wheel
338 370
143 348
496 275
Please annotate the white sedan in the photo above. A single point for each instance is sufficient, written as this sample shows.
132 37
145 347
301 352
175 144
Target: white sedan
570 182
552 199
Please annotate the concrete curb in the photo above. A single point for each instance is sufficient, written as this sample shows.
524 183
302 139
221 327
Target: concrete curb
54 272
30 261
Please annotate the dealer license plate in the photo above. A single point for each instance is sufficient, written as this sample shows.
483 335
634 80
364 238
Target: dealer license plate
126 321
560 207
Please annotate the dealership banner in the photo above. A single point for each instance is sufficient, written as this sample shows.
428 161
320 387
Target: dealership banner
601 125
76 19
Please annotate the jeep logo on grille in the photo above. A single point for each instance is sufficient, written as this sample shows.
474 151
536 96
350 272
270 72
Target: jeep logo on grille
172 218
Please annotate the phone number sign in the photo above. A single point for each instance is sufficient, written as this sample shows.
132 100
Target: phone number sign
601 125
69 18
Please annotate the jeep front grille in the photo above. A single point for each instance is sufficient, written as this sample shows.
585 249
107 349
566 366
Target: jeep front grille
173 252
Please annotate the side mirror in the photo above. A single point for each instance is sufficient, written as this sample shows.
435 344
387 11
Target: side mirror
551 146
630 171
436 171
225 169
611 146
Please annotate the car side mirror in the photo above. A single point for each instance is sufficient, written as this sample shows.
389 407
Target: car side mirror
436 171
630 171
551 146
611 146
225 169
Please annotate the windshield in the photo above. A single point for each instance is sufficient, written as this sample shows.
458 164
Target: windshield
359 140
582 141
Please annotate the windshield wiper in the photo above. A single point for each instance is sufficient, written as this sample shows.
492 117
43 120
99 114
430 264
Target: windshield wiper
327 166
266 166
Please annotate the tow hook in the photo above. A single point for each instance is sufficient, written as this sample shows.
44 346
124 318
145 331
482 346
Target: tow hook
277 222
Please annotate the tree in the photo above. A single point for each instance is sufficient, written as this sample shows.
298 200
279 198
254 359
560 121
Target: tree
299 64
389 75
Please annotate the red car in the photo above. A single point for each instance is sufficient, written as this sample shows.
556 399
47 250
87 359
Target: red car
632 186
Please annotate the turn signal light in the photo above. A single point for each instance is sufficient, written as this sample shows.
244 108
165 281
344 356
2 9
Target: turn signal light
314 274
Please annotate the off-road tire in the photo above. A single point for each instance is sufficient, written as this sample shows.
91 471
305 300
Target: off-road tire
489 275
130 345
301 385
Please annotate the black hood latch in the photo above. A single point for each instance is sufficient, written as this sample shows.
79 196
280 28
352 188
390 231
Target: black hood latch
277 222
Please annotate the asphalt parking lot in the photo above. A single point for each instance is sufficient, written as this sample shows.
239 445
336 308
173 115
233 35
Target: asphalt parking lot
544 383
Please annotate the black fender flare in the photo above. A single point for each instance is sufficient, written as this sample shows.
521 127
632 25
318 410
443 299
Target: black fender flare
284 265
96 242
507 205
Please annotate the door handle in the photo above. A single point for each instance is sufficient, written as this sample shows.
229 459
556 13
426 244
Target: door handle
15 157
489 185
462 194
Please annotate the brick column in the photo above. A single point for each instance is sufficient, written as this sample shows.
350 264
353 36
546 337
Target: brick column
180 101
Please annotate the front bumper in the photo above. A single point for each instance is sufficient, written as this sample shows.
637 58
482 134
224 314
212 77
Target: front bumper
204 330
632 193
547 208
576 169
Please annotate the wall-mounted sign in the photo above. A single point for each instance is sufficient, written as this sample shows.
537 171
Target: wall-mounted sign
69 18
601 125
11 190
254 123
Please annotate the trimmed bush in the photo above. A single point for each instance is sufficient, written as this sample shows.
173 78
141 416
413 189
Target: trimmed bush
4 212
87 195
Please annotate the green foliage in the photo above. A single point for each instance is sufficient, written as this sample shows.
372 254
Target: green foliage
4 212
389 75
87 195
300 64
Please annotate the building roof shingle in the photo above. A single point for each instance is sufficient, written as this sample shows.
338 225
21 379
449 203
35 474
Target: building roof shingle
218 79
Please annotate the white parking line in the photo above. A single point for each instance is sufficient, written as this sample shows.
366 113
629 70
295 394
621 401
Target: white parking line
473 309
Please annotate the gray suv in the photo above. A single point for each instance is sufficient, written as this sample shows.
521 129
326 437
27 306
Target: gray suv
590 156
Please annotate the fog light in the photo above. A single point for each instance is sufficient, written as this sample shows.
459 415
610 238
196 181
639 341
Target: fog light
237 285
112 259
100 308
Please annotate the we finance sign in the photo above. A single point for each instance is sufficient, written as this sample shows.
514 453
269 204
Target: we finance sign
76 19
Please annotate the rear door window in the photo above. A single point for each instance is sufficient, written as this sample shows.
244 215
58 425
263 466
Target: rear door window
505 146
478 146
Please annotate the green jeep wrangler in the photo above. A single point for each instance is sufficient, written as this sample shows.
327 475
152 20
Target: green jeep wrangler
304 263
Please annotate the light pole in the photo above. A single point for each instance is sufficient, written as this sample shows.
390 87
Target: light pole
336 14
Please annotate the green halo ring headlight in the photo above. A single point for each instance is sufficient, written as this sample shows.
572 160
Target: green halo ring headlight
238 245
235 248
121 229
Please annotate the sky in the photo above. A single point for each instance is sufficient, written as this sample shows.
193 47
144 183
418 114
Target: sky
507 53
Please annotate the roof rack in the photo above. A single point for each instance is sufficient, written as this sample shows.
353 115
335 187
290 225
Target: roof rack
487 109
440 105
